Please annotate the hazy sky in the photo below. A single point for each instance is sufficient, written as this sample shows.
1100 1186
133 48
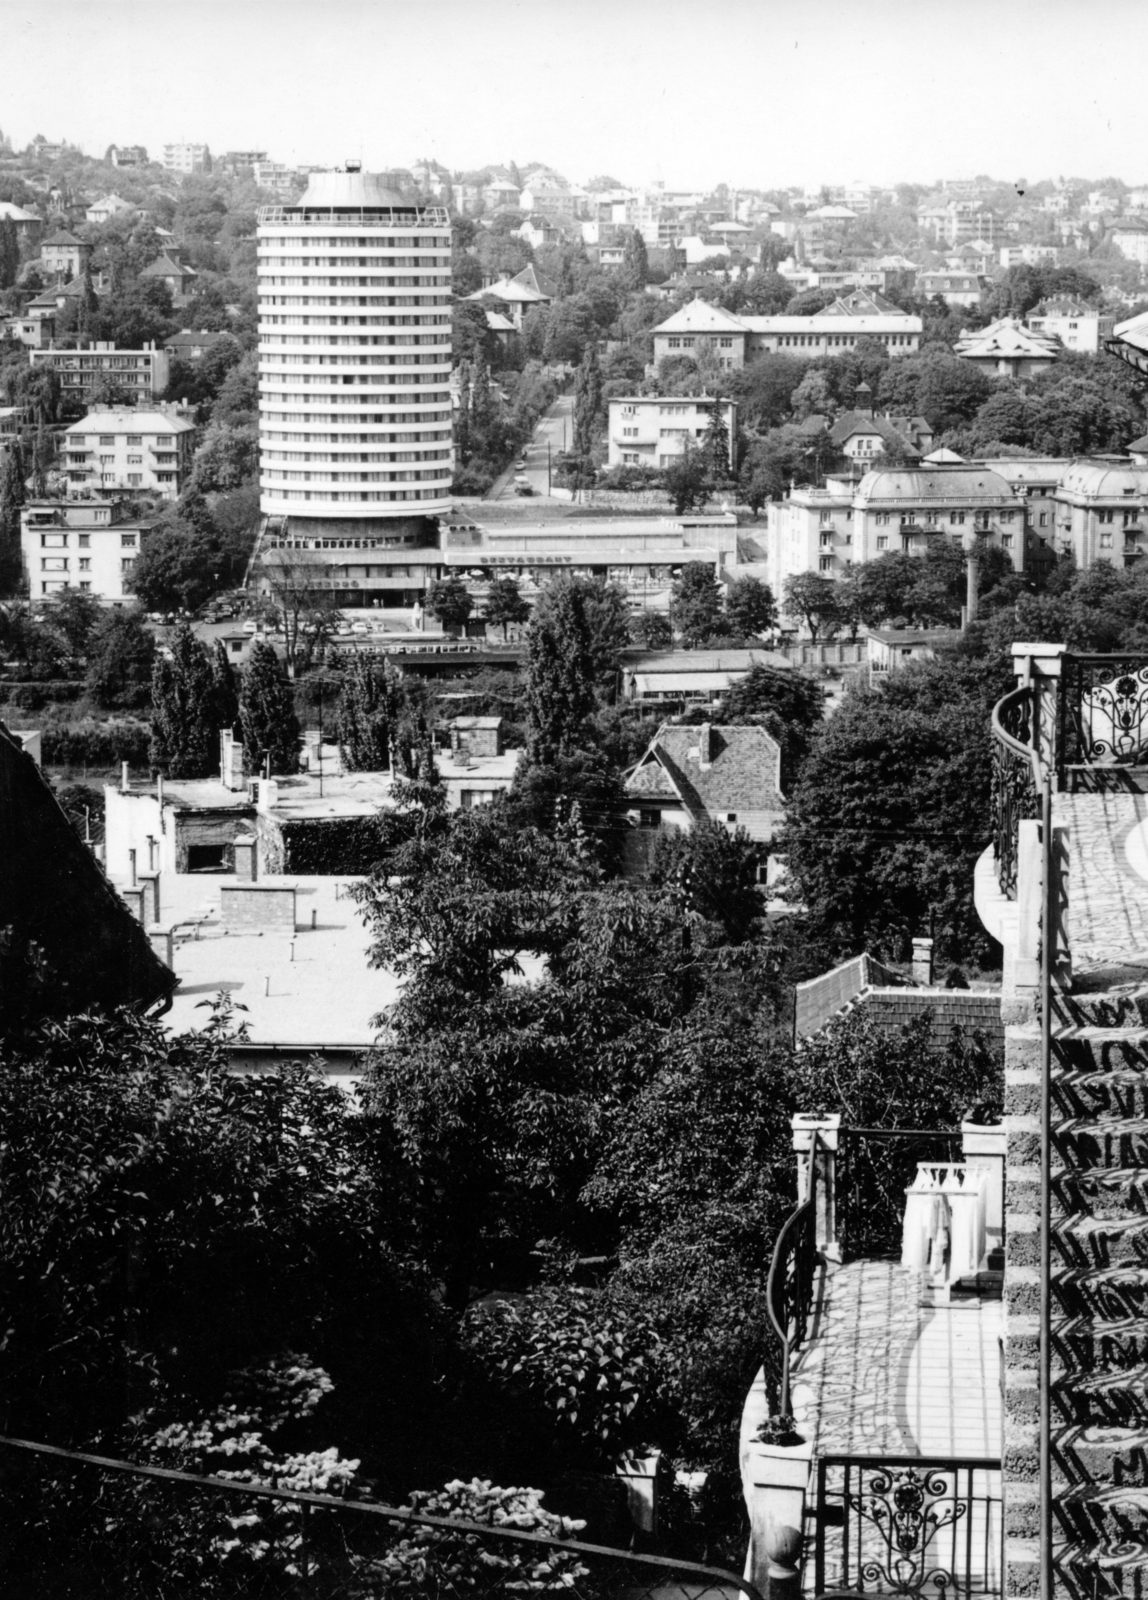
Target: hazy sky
753 92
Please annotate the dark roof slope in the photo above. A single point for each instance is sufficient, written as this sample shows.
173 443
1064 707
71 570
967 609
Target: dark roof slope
742 773
54 899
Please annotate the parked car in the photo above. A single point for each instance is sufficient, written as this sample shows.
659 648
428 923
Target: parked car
251 626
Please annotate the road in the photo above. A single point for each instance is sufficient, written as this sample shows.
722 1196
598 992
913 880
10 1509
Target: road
553 430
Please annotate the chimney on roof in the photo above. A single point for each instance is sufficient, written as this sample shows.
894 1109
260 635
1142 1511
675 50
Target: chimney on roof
707 746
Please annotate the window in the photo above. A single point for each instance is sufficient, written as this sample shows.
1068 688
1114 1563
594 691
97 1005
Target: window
135 479
827 516
629 458
53 541
848 538
629 411
85 588
957 519
882 541
85 563
1106 541
107 438
85 541
1006 541
1105 516
882 519
827 541
54 564
825 563
629 433
1043 519
135 461
127 563
726 344
1131 516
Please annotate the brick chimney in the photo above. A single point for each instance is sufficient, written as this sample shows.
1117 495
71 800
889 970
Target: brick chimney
707 746
923 962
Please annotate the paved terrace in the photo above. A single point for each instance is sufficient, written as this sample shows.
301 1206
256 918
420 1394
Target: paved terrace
1108 879
885 1374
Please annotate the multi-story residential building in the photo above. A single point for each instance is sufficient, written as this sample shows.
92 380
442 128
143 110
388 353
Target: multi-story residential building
103 210
75 544
892 509
127 155
63 255
239 163
1036 480
275 177
1078 325
1029 255
654 430
140 373
187 158
1008 348
1131 238
1100 512
354 370
737 339
117 449
954 288
959 220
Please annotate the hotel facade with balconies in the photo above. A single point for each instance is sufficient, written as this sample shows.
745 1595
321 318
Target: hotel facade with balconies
354 373
117 450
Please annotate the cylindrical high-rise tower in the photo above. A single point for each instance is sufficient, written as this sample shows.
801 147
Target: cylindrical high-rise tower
354 365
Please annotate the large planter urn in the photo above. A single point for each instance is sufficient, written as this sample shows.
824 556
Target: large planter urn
775 1481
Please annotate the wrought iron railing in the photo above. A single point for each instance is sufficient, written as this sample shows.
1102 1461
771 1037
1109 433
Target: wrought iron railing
1102 719
792 1274
86 1527
1015 780
874 1167
909 1525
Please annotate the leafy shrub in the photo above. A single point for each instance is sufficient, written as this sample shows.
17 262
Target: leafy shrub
441 1561
473 479
34 696
589 1364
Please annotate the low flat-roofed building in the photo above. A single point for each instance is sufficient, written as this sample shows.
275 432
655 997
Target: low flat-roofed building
654 430
79 544
117 450
643 555
891 649
678 676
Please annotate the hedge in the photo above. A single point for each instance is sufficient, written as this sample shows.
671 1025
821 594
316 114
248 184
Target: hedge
95 744
331 845
34 696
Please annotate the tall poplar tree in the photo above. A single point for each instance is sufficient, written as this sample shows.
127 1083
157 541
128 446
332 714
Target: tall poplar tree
12 497
372 709
224 688
587 401
715 445
560 672
9 253
271 733
184 724
635 270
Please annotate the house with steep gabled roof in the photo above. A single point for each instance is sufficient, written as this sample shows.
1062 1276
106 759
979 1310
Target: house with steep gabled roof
727 775
515 294
1008 348
63 255
178 278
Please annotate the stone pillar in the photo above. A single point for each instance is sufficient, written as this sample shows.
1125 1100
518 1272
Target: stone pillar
149 883
1039 665
133 898
246 860
162 941
825 1221
922 968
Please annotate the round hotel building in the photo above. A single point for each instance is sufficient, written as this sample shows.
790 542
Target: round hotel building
354 380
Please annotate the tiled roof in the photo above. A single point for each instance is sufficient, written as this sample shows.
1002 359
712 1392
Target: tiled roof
1006 337
854 422
742 773
701 317
63 237
165 267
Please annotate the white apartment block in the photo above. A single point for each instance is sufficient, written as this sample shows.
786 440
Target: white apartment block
830 530
1078 325
654 430
79 545
143 374
187 158
1101 512
118 449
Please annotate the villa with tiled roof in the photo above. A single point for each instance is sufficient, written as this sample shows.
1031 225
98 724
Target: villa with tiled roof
736 340
1008 348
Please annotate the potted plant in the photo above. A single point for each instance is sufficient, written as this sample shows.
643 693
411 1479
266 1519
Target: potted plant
776 1479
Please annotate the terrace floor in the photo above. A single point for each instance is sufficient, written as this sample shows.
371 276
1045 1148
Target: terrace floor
883 1373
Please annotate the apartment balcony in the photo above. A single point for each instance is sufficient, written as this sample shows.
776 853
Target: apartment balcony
884 1297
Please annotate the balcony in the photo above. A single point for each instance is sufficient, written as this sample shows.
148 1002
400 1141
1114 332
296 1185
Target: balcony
884 1296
